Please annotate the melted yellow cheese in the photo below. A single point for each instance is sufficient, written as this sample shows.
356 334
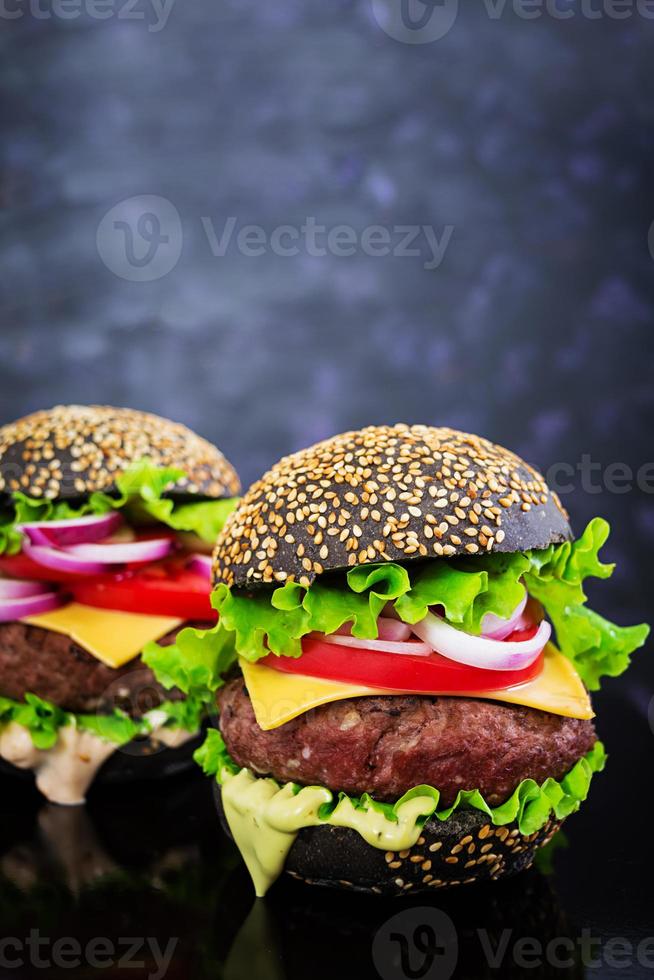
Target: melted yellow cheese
110 636
278 697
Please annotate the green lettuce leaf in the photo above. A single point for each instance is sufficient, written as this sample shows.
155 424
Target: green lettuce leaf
195 663
213 757
141 491
24 510
529 805
43 720
261 624
466 589
116 727
187 713
370 588
596 647
265 624
140 494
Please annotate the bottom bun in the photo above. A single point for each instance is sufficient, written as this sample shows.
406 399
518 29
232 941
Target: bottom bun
144 759
462 850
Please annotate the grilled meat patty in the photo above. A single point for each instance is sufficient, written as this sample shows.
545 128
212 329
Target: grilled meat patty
386 745
52 666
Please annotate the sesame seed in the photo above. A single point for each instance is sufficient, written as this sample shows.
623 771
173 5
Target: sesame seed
405 486
85 448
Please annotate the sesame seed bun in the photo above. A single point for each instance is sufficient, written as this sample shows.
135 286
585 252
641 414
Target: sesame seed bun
73 450
386 493
462 850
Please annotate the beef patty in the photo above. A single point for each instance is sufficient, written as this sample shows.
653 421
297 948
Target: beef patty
385 745
52 666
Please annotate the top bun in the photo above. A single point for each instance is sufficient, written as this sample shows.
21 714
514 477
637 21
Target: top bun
74 450
386 493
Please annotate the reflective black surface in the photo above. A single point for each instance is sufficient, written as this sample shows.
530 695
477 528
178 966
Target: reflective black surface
144 884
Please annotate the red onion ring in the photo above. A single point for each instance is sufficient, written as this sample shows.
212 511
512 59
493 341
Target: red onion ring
387 629
151 549
78 530
13 588
409 648
393 629
479 651
202 564
61 561
35 605
496 628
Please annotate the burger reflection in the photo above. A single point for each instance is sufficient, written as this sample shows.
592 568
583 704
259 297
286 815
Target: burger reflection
503 929
76 881
155 868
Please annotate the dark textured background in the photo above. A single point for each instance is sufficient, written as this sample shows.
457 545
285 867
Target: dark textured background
534 139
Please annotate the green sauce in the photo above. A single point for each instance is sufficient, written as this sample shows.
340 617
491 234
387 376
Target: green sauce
265 819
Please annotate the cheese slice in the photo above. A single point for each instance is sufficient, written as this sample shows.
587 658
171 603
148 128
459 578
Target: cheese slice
110 636
278 697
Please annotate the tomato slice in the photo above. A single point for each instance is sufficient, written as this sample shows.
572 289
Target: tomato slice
165 588
401 672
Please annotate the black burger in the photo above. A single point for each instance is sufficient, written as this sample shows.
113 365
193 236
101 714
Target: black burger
106 518
394 713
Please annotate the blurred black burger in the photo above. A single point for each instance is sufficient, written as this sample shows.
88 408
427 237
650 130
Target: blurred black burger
106 517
